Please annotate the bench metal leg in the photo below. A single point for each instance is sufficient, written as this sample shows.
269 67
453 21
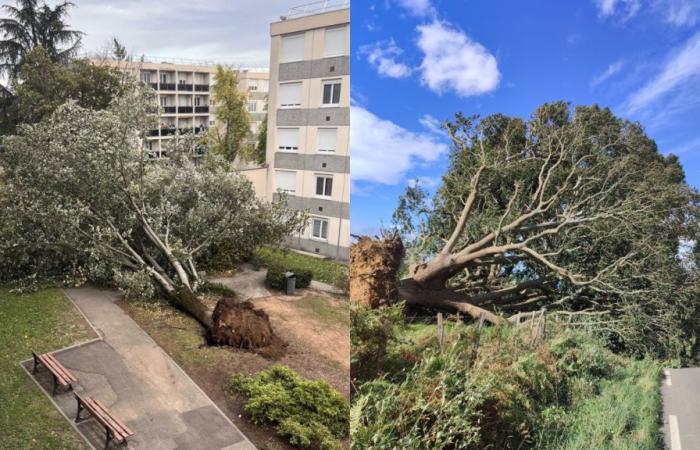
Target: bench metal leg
80 408
109 438
36 362
55 385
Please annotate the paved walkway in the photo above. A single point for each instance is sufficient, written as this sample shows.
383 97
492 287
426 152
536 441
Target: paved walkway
129 373
681 395
248 283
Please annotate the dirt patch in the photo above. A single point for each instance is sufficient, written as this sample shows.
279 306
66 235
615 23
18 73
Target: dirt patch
318 348
240 325
374 265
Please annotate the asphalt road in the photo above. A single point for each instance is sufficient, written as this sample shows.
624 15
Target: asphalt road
680 389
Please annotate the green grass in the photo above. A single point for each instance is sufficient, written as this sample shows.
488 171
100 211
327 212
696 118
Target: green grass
42 321
324 270
326 310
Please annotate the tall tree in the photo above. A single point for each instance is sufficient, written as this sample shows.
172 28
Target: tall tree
32 24
575 212
230 134
86 174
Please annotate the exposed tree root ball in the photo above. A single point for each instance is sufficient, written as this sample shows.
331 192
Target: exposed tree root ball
240 325
374 265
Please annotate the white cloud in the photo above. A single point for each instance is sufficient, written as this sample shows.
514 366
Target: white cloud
453 62
612 69
432 124
383 152
419 8
682 67
382 55
624 9
429 183
681 12
235 32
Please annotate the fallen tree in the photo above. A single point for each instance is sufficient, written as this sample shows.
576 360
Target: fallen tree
568 211
86 176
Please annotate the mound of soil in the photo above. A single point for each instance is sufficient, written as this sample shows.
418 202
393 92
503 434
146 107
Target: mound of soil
239 324
374 264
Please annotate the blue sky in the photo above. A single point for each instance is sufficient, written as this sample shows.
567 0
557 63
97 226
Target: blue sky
417 62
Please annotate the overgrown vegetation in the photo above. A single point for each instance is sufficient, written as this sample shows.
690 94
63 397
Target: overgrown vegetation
41 321
311 414
497 387
276 274
324 270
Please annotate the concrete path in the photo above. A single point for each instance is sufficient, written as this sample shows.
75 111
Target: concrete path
129 373
248 283
681 395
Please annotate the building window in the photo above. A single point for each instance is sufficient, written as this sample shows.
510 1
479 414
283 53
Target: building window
198 101
327 139
286 181
331 92
163 101
263 86
288 139
334 42
324 185
252 106
292 48
146 77
252 85
290 95
319 229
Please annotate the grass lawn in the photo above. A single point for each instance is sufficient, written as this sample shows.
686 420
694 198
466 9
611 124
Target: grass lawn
42 321
324 270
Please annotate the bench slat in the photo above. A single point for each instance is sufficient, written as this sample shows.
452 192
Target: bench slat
62 370
51 365
102 415
119 426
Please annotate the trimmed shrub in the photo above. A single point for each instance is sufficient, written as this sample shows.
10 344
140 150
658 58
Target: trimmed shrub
324 270
275 276
308 413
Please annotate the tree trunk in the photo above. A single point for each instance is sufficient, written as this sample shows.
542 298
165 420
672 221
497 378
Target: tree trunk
188 302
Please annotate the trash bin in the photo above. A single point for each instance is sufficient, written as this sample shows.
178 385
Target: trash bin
290 283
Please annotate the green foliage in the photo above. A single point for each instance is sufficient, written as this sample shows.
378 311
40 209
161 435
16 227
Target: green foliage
310 414
136 285
229 136
31 24
499 388
324 270
42 321
276 271
217 289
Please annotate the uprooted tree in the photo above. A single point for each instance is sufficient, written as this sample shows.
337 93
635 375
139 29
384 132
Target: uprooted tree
84 180
575 212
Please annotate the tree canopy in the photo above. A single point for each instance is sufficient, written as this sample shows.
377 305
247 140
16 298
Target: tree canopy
84 177
30 24
573 211
229 137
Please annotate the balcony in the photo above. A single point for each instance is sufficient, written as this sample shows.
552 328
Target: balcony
169 109
184 109
168 131
201 109
153 85
201 87
184 87
167 86
200 129
185 130
152 133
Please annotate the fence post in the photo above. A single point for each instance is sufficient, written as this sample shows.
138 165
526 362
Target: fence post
440 330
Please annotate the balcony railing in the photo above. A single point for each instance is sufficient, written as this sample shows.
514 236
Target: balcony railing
184 87
184 109
167 86
316 7
168 131
201 109
152 133
200 129
201 87
185 130
153 85
169 109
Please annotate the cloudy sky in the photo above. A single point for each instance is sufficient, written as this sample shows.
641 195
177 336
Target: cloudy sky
227 31
417 62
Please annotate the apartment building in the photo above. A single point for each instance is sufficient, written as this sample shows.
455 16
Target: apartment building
184 93
308 150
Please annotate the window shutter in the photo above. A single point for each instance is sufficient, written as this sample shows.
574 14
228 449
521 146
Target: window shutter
292 48
290 95
327 139
286 180
334 42
288 139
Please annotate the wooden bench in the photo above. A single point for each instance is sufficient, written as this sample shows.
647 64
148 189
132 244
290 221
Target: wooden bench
115 430
61 375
